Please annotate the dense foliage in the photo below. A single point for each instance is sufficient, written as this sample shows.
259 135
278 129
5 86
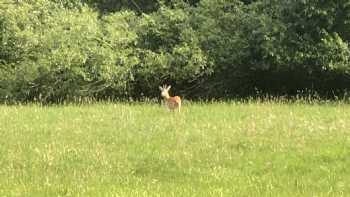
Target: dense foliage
55 50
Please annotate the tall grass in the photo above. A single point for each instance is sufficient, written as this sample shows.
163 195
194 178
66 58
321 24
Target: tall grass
216 149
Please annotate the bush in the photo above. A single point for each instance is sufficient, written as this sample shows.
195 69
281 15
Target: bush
169 52
63 53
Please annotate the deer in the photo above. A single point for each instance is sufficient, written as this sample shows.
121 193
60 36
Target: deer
172 102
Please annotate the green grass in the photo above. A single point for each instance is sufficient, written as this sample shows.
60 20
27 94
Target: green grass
218 149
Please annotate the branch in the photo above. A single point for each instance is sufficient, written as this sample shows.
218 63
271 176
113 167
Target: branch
137 6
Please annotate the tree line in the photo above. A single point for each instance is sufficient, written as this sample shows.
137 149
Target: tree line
57 50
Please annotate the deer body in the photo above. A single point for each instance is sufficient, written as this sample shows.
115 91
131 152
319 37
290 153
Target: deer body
172 102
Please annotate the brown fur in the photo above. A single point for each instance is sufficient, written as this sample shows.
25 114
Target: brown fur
173 102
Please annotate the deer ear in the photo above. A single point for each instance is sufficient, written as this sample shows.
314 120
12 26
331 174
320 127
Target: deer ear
169 87
160 88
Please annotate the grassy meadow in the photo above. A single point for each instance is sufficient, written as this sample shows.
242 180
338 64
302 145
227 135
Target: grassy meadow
216 149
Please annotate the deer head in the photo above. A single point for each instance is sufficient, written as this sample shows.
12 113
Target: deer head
164 91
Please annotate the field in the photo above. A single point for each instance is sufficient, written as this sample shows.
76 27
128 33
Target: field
216 149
